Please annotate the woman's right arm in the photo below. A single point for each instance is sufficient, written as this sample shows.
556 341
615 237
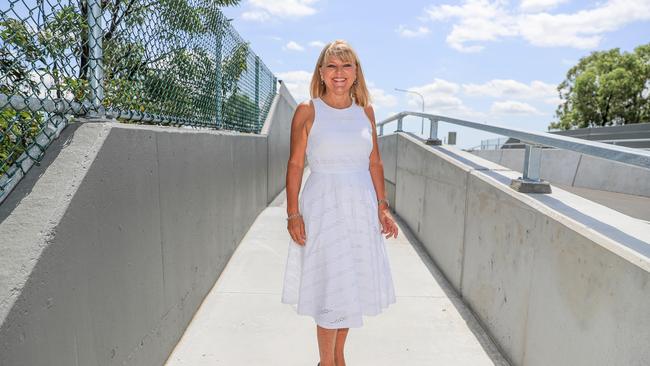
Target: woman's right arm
295 168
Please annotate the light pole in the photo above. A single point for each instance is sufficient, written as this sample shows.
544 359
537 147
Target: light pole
414 92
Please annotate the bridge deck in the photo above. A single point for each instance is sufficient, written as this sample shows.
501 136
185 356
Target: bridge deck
629 204
243 322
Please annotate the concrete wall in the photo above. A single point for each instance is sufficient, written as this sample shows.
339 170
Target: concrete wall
555 279
575 169
109 247
277 128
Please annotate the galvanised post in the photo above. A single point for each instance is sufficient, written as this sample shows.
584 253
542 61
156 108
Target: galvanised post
257 90
381 130
399 124
217 72
532 162
433 131
95 64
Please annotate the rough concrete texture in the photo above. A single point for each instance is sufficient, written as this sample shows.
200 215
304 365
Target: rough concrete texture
242 321
555 279
575 169
109 246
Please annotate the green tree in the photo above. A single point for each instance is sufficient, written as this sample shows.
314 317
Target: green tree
158 58
606 88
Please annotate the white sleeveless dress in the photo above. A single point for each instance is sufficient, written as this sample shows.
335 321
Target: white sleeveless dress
342 272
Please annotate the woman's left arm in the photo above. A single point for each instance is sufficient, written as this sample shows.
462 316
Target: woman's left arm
377 174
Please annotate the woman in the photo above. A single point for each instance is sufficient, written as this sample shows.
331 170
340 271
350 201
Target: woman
337 269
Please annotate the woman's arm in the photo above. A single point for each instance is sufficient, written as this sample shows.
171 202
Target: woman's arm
376 165
296 163
386 220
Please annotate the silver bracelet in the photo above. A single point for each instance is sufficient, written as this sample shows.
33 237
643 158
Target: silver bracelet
297 214
383 200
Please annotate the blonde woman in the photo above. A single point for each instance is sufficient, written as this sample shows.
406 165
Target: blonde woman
337 268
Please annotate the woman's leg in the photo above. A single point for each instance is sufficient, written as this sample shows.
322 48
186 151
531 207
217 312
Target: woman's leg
340 344
326 342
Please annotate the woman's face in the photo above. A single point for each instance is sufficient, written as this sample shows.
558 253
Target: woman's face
338 75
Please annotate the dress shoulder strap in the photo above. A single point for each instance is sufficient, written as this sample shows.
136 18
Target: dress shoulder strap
317 107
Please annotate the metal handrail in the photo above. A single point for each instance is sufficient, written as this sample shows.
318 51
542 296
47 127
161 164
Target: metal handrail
533 141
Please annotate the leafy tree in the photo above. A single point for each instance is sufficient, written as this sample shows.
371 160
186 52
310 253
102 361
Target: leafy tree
27 55
606 88
158 58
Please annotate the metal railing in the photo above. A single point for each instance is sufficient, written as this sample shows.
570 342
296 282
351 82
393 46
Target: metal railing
533 143
172 62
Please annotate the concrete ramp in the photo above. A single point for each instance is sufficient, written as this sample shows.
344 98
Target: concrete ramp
243 322
555 279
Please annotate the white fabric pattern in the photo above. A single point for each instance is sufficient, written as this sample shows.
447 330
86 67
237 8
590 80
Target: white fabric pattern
342 272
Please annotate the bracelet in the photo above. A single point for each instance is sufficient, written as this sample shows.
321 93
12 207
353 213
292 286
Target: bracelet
383 200
297 214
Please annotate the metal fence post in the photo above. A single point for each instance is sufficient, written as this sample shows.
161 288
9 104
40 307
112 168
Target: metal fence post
530 182
433 133
257 89
221 26
399 124
532 162
95 64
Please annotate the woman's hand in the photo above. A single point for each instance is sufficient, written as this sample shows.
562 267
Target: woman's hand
388 225
296 227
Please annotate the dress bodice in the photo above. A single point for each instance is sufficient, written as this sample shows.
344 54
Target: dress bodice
340 139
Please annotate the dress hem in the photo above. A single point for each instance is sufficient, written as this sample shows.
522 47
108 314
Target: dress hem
294 305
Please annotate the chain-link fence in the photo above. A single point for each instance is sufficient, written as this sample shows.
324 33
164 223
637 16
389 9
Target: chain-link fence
171 62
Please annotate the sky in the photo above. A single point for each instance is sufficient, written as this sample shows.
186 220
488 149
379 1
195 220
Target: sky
496 62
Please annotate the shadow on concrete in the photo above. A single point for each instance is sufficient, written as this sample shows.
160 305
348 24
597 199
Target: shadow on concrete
24 187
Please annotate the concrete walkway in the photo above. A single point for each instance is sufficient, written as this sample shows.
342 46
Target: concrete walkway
629 204
243 322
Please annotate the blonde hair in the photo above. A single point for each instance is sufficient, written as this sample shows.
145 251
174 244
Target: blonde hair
343 51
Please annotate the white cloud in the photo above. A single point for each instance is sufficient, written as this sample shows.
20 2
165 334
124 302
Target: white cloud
438 86
265 10
556 101
513 107
479 21
380 99
318 44
408 33
293 46
539 5
255 16
509 88
440 97
297 82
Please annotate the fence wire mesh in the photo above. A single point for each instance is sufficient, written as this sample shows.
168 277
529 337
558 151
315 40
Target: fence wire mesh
170 62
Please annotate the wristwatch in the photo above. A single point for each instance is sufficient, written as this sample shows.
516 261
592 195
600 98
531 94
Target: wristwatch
383 200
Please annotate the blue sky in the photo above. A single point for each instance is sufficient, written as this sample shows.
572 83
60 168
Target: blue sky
486 61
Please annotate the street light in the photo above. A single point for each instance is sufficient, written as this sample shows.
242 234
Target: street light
414 92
